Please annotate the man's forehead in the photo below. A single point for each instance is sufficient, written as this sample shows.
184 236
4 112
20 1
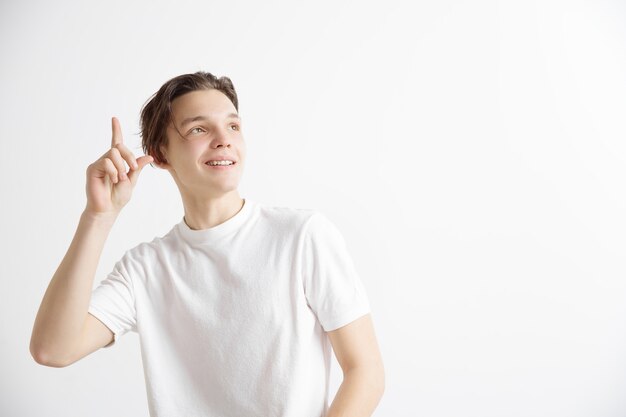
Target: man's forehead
212 104
206 116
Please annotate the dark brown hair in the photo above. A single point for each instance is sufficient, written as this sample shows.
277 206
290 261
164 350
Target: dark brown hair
156 113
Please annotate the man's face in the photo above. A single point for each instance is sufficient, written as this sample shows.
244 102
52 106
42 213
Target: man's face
205 127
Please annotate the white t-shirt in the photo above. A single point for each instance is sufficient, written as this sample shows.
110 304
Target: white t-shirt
232 319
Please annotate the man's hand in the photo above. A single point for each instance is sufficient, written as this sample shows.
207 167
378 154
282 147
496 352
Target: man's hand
109 186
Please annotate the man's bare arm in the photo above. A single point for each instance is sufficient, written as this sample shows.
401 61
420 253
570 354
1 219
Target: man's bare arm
61 332
63 311
357 352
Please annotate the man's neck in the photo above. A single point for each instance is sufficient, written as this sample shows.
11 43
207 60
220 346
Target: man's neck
200 215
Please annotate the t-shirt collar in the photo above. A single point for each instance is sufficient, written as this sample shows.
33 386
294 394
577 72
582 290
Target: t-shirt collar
211 234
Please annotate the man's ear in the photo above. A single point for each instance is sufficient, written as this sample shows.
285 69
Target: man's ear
163 164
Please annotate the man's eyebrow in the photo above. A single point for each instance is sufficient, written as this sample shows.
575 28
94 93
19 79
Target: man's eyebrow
204 118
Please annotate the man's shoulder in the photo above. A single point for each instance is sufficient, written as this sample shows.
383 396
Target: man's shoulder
290 218
150 248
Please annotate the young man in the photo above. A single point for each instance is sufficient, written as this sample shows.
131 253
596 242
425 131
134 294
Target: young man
238 305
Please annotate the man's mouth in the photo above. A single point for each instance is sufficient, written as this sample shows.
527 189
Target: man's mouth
220 163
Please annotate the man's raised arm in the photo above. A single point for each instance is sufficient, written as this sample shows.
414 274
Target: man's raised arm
63 332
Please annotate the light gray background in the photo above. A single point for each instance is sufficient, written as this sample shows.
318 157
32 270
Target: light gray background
472 154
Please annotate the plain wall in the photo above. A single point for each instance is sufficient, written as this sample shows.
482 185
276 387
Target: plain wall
471 153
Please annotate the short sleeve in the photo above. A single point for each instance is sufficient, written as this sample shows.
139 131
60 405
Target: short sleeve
332 286
113 302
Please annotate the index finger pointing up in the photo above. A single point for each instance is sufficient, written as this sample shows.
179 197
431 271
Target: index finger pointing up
117 132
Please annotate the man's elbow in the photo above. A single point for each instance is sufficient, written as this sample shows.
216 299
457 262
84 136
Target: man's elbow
42 358
45 361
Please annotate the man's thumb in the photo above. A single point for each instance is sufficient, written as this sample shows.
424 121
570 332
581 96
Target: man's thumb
141 162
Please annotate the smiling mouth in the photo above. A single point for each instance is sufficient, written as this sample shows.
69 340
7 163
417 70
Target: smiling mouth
220 165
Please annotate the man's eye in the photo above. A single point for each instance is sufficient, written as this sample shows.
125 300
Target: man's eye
196 130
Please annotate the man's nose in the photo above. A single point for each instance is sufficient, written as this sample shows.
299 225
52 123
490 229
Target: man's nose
221 138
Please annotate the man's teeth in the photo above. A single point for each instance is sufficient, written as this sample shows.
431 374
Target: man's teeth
221 162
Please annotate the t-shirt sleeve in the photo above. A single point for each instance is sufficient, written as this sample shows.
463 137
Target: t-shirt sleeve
332 286
113 300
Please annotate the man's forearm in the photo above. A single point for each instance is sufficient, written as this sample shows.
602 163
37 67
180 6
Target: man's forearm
65 303
358 395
